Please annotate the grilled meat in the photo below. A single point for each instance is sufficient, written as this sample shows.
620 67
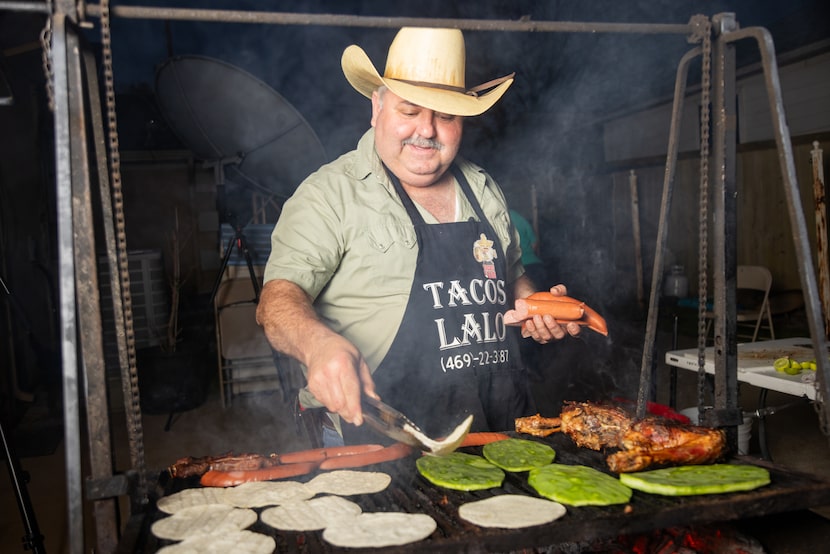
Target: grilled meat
537 425
189 466
595 426
653 441
659 442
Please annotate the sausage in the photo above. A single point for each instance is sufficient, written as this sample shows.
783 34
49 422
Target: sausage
548 295
214 478
561 311
595 322
320 454
385 454
480 439
590 318
541 303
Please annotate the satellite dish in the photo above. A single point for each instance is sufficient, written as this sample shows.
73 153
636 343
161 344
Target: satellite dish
229 117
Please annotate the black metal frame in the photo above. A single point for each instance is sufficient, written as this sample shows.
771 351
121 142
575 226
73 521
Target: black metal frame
78 278
726 31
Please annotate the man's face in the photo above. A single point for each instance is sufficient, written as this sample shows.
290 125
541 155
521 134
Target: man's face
417 144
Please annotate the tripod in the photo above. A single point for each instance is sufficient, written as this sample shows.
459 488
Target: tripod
32 540
239 242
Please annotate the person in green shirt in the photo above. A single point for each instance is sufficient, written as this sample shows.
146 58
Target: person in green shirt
392 266
533 264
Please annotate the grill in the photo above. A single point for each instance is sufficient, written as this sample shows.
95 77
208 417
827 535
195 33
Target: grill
409 492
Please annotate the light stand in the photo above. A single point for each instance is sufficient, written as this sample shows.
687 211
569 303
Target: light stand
238 240
33 539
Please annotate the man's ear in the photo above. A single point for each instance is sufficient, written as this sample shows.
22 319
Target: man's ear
376 107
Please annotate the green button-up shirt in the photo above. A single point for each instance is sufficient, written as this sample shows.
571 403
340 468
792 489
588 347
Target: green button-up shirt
345 238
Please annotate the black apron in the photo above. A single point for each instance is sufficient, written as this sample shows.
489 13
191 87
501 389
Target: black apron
453 355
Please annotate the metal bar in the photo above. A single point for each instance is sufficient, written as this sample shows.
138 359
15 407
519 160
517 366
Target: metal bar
662 231
672 369
129 388
795 212
635 224
337 20
725 188
66 267
31 7
820 206
89 305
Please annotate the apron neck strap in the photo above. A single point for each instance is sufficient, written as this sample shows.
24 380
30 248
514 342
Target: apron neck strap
411 210
409 205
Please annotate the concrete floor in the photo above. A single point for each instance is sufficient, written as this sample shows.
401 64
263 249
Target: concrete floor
263 423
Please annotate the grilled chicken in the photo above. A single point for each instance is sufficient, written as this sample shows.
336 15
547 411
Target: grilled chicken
537 425
653 441
595 426
658 442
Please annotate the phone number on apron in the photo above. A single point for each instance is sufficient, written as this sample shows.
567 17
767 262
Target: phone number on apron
464 361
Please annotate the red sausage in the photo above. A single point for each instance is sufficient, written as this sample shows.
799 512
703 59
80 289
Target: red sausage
480 439
214 478
387 454
548 295
320 454
567 311
591 319
595 322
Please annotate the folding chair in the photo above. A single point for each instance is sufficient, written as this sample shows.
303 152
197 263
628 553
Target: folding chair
245 358
753 312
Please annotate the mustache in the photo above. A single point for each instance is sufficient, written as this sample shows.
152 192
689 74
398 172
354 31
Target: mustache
423 143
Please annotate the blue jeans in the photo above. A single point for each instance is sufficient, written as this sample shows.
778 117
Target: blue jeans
331 437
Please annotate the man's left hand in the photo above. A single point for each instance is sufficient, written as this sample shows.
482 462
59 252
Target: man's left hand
544 328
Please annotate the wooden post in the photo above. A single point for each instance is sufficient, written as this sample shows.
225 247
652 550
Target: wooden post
534 214
635 226
817 159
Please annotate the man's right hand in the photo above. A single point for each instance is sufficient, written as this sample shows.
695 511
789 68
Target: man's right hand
336 371
338 375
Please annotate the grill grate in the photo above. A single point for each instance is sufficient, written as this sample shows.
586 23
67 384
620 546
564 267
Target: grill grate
409 492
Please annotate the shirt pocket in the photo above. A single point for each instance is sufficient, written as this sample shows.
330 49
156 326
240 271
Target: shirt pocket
384 236
501 225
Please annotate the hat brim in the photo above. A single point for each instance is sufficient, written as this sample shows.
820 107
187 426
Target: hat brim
362 75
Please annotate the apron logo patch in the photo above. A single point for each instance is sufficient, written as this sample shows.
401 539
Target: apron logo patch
484 253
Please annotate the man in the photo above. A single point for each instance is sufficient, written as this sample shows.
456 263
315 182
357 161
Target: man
391 267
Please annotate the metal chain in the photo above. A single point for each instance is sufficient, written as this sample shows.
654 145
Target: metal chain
703 227
133 410
46 55
820 406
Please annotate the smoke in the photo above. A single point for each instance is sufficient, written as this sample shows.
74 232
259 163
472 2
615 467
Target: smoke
545 132
564 80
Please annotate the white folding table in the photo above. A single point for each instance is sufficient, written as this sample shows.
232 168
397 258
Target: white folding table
755 367
755 361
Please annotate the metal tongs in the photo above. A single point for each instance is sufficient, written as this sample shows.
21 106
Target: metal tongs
392 423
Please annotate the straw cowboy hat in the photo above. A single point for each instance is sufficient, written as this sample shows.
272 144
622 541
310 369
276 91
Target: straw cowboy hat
426 67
